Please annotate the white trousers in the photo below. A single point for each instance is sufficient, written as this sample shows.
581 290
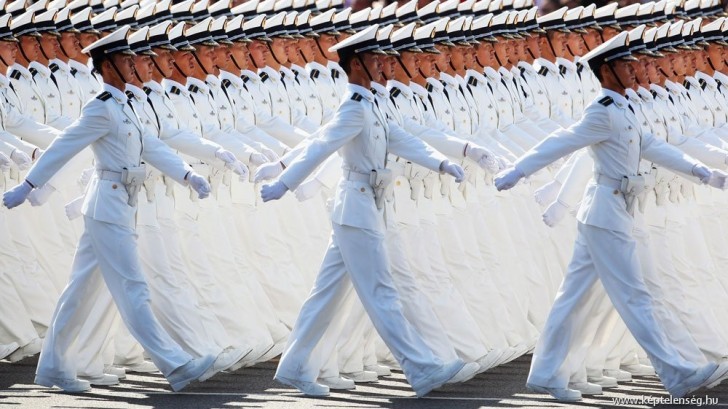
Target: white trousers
355 257
106 253
594 263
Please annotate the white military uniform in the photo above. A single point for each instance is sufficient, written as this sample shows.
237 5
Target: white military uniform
107 249
615 140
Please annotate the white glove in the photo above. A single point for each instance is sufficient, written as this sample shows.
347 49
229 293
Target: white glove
547 193
274 191
702 172
453 170
483 157
17 195
40 196
4 162
258 159
508 178
555 213
73 208
199 184
85 177
503 163
308 190
21 159
225 156
718 179
268 171
269 154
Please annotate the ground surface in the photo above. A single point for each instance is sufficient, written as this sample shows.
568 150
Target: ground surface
254 388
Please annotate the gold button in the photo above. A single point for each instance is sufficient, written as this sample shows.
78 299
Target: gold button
399 183
616 192
114 186
363 190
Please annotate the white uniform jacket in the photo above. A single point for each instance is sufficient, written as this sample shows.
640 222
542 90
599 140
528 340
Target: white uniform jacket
361 134
118 140
616 143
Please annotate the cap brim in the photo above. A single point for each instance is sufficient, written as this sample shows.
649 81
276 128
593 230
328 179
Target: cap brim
10 39
564 30
671 49
392 53
149 53
168 47
126 52
431 50
581 31
377 51
721 42
225 42
312 35
187 48
629 58
34 34
492 39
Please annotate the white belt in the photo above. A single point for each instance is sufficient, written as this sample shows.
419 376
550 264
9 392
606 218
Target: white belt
354 176
608 181
109 175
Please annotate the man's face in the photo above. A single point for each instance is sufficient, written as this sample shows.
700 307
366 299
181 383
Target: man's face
592 39
49 45
206 56
223 58
678 63
609 32
240 54
185 61
486 54
280 49
327 41
558 42
374 65
308 48
258 53
144 67
653 75
70 44
165 61
640 70
8 50
532 44
428 66
443 59
664 65
30 46
388 64
716 56
501 51
576 44
125 65
456 57
409 60
625 72
86 39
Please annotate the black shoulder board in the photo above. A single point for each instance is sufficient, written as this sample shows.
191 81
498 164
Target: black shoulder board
245 78
315 73
562 70
522 70
74 71
334 73
543 71
15 75
147 90
193 88
394 92
129 94
686 84
429 87
579 67
264 76
357 97
473 82
175 90
54 67
606 101
654 93
33 71
227 83
104 96
703 83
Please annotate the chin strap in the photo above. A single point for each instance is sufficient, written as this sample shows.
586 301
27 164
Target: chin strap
200 63
118 73
616 76
22 51
272 54
551 46
361 61
43 52
156 66
406 71
235 62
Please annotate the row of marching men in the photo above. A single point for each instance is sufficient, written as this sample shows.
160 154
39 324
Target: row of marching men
477 81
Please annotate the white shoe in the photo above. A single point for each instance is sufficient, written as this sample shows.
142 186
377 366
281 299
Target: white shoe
362 376
439 377
708 377
28 350
141 367
101 380
258 354
380 370
272 352
392 365
337 383
560 394
465 374
223 361
68 385
618 374
586 388
489 360
189 372
8 349
603 381
115 370
305 387
639 370
243 359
